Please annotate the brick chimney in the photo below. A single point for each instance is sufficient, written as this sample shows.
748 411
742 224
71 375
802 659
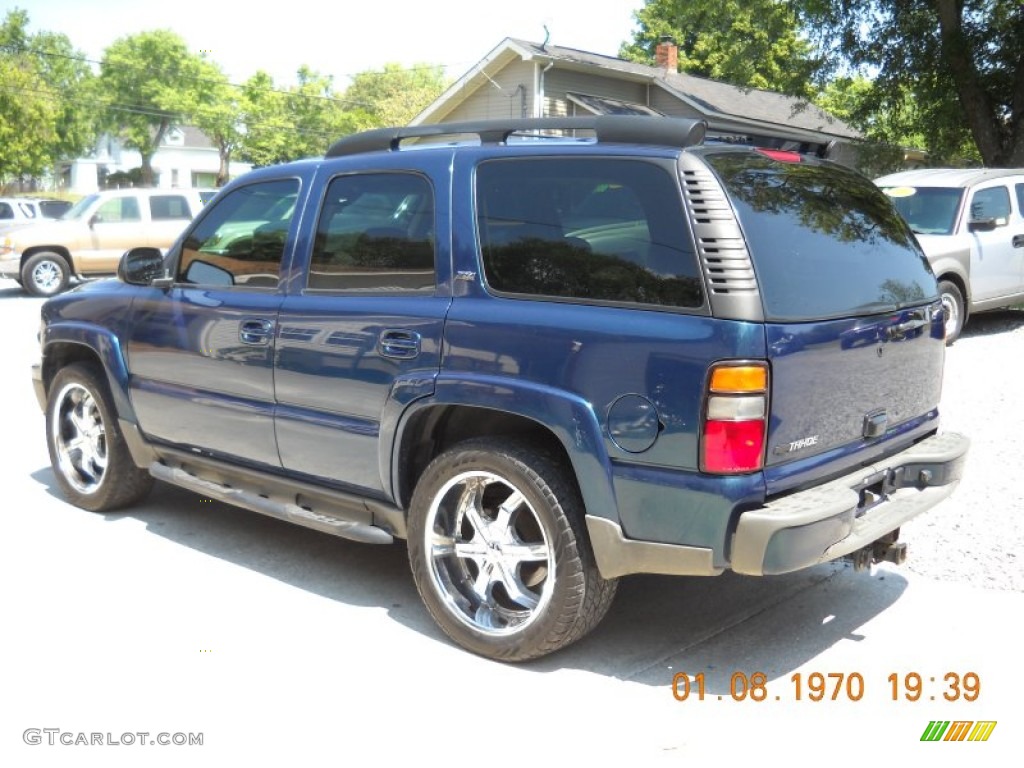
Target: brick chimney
666 55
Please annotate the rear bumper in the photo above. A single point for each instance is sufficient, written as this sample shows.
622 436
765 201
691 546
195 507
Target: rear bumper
846 514
807 527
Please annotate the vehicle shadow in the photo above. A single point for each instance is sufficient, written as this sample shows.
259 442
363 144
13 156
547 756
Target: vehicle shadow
11 290
656 626
997 321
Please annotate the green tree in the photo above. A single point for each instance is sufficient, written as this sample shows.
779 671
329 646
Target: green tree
287 124
217 115
317 114
952 69
752 43
394 96
27 128
46 92
153 83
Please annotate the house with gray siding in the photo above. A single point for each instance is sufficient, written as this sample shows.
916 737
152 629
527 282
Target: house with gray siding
524 79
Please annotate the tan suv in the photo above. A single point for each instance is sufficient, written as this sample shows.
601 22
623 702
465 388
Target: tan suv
91 237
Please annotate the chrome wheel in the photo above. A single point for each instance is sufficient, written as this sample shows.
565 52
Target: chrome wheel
47 277
79 437
490 559
45 274
952 310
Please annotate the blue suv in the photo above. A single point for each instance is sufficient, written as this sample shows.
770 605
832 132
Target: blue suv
546 360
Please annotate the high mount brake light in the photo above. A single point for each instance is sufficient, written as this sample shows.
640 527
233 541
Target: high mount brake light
781 155
735 418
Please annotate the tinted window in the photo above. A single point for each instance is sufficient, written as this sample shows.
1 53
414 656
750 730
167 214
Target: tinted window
586 228
992 203
54 209
164 207
119 209
825 241
242 240
928 210
6 212
375 233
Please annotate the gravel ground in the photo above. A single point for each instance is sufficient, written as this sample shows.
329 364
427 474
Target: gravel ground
976 536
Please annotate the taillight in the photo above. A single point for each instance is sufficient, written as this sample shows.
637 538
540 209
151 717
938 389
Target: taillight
735 418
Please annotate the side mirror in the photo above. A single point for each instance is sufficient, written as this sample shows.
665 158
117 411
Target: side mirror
982 225
94 220
141 266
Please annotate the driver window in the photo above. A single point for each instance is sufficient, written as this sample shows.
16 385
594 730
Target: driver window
992 203
241 241
117 210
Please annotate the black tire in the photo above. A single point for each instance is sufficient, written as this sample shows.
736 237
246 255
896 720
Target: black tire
953 306
87 451
498 598
45 274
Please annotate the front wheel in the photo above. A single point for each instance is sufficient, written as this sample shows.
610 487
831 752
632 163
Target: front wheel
953 307
45 274
89 457
499 553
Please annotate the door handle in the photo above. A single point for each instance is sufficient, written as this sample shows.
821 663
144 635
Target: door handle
256 331
1018 241
399 344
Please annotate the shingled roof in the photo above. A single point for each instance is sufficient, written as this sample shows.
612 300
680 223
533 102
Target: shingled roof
727 105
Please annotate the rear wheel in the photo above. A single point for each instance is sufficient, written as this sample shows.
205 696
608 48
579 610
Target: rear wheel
87 451
953 307
45 274
499 552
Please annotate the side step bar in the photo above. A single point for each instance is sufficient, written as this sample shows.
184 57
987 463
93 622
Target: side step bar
332 522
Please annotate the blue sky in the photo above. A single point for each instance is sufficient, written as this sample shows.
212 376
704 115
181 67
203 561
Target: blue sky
350 37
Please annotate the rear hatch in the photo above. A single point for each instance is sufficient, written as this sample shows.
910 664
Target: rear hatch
853 326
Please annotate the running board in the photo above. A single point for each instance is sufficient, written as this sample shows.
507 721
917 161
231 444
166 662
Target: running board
291 513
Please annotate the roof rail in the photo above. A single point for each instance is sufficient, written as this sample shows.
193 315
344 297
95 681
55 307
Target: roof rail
627 129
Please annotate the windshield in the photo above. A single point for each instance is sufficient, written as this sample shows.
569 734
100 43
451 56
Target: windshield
78 209
928 210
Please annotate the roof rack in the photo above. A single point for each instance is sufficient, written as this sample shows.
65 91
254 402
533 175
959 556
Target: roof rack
626 129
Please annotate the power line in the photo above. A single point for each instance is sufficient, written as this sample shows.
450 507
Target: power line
22 49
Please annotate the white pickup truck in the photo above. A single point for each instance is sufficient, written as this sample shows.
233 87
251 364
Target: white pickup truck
970 223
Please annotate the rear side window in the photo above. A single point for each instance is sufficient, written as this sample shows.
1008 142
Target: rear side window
6 212
590 229
169 207
824 240
375 234
54 209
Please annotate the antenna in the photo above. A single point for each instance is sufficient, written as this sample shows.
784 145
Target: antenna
547 36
